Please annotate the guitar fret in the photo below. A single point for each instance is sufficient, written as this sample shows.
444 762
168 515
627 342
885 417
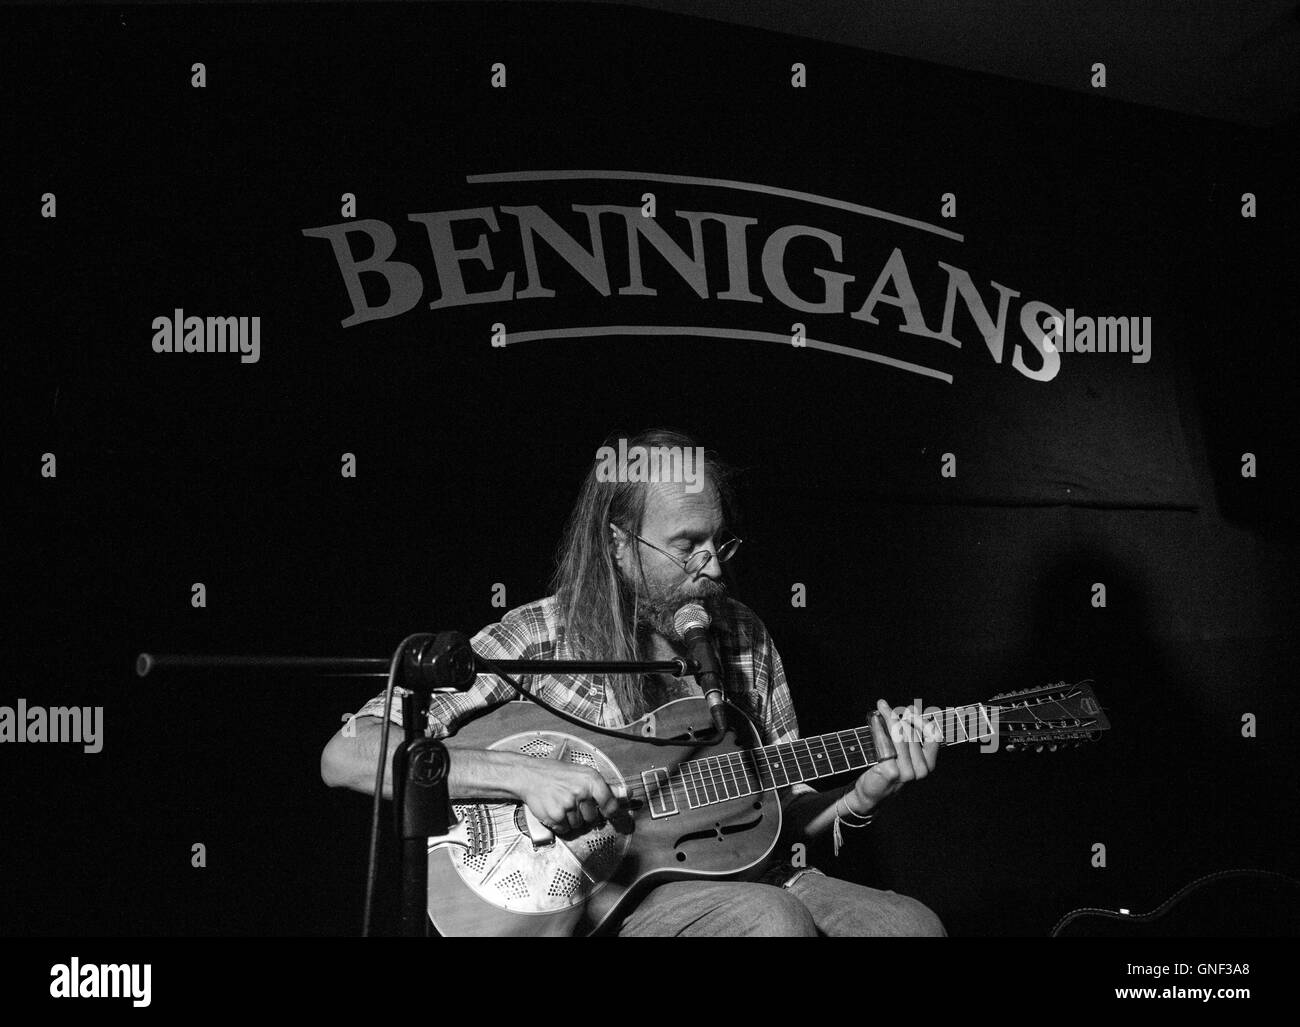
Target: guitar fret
834 746
720 775
688 783
719 778
753 779
788 764
821 762
859 751
803 759
739 773
707 779
715 776
729 775
737 767
839 755
697 779
777 766
702 783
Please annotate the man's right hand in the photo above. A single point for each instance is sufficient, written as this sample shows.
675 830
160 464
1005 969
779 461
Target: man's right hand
566 798
565 795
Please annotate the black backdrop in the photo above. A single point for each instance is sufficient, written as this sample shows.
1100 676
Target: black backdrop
177 469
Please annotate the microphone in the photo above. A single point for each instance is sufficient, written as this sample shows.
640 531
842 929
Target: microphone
691 623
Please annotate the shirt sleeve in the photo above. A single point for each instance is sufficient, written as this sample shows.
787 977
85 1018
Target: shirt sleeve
509 639
780 724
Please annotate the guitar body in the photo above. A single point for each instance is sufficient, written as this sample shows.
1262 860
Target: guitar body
499 873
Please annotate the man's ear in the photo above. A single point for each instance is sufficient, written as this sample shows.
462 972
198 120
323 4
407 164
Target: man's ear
619 538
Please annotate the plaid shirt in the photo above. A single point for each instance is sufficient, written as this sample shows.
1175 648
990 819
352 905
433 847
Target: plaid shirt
754 678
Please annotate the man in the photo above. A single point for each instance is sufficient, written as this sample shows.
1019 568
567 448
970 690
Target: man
633 553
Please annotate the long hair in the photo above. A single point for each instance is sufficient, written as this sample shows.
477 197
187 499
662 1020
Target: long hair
596 607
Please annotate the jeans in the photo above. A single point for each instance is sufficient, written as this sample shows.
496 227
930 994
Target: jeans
813 905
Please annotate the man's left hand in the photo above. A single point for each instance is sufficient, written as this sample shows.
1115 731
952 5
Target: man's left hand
914 758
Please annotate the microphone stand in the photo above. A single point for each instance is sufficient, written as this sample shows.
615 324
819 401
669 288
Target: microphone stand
423 664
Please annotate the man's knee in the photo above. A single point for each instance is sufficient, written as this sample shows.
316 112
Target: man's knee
761 910
915 919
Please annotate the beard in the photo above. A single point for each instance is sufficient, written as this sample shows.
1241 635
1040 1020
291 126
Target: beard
657 604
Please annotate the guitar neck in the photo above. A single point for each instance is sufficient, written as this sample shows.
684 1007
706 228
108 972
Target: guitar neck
838 752
712 779
1030 719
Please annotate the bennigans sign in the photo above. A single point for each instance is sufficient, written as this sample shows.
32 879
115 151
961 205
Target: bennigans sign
734 256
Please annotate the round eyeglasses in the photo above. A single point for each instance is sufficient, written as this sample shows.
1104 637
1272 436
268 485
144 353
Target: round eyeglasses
696 562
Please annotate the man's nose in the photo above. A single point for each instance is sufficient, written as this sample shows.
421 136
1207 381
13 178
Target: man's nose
713 569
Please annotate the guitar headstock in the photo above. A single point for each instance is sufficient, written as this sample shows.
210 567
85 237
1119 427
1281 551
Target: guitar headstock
1048 717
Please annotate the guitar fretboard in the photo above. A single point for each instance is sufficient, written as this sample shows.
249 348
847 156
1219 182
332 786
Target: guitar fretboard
719 778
